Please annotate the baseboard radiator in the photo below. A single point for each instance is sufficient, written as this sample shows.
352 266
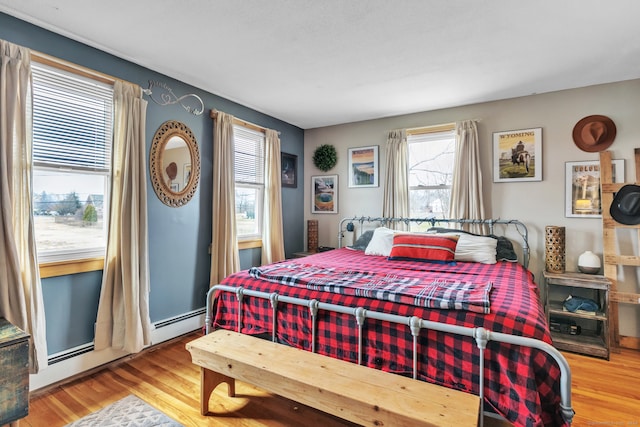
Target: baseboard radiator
85 348
68 354
73 361
180 318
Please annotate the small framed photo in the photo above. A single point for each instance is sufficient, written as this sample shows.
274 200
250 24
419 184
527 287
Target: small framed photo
289 167
517 155
324 194
175 187
363 167
582 187
186 174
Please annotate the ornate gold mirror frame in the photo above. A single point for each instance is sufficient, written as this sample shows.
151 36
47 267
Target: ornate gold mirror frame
174 163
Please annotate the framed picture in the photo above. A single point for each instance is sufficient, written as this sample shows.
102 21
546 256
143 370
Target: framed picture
289 166
582 187
175 187
363 166
324 194
517 155
186 173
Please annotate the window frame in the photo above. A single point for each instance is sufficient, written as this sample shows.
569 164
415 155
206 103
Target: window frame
90 262
259 206
448 128
253 240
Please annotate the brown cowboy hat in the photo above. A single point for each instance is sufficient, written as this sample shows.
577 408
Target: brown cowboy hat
594 133
625 207
172 170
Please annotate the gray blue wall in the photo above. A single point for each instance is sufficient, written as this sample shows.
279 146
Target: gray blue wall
178 237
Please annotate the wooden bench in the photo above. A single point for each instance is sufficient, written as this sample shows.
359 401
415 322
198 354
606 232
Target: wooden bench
356 393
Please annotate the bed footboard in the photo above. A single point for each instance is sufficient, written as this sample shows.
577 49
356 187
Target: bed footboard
480 335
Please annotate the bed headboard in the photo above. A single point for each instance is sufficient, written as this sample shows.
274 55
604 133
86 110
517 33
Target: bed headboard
348 224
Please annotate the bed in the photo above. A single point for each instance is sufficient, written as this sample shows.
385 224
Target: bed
473 326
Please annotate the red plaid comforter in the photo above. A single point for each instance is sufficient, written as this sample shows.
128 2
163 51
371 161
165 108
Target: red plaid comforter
521 383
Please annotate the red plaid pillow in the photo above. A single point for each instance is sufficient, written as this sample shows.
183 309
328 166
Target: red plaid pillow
424 247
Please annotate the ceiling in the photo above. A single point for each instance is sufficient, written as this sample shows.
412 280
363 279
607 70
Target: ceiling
315 63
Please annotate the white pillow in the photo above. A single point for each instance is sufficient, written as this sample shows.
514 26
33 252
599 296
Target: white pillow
469 248
381 242
476 249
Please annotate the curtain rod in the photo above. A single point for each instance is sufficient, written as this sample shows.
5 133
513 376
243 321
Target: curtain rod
434 128
237 121
430 129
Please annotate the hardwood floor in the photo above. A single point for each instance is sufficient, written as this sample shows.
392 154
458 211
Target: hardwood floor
604 393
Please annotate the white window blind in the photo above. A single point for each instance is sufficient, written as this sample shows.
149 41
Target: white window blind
249 179
72 120
72 133
249 156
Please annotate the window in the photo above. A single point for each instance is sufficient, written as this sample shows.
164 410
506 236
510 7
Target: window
72 128
249 181
431 162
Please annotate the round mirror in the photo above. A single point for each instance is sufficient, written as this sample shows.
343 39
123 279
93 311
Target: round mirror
174 163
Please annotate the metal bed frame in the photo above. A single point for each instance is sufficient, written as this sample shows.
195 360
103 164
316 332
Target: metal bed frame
482 336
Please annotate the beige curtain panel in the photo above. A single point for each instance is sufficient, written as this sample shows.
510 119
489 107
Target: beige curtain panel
272 232
123 321
224 242
21 300
466 190
395 201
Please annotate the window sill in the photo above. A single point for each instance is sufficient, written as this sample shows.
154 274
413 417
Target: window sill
63 268
249 244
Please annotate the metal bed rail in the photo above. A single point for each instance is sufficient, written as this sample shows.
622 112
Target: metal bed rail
482 336
346 224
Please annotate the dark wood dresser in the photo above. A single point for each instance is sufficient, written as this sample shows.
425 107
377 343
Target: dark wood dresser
14 373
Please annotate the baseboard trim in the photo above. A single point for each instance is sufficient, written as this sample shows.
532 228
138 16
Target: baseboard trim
632 343
75 365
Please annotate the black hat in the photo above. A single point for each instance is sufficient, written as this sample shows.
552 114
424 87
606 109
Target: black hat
626 205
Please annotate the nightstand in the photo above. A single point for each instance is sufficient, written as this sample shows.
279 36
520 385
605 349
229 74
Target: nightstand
307 253
585 333
303 254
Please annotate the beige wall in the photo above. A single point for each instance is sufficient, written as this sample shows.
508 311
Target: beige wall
537 204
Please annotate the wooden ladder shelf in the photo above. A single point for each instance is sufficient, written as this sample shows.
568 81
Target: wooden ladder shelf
613 260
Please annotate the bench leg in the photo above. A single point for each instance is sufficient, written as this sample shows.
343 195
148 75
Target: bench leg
209 380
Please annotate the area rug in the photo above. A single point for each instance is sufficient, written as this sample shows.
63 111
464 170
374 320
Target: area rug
130 411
